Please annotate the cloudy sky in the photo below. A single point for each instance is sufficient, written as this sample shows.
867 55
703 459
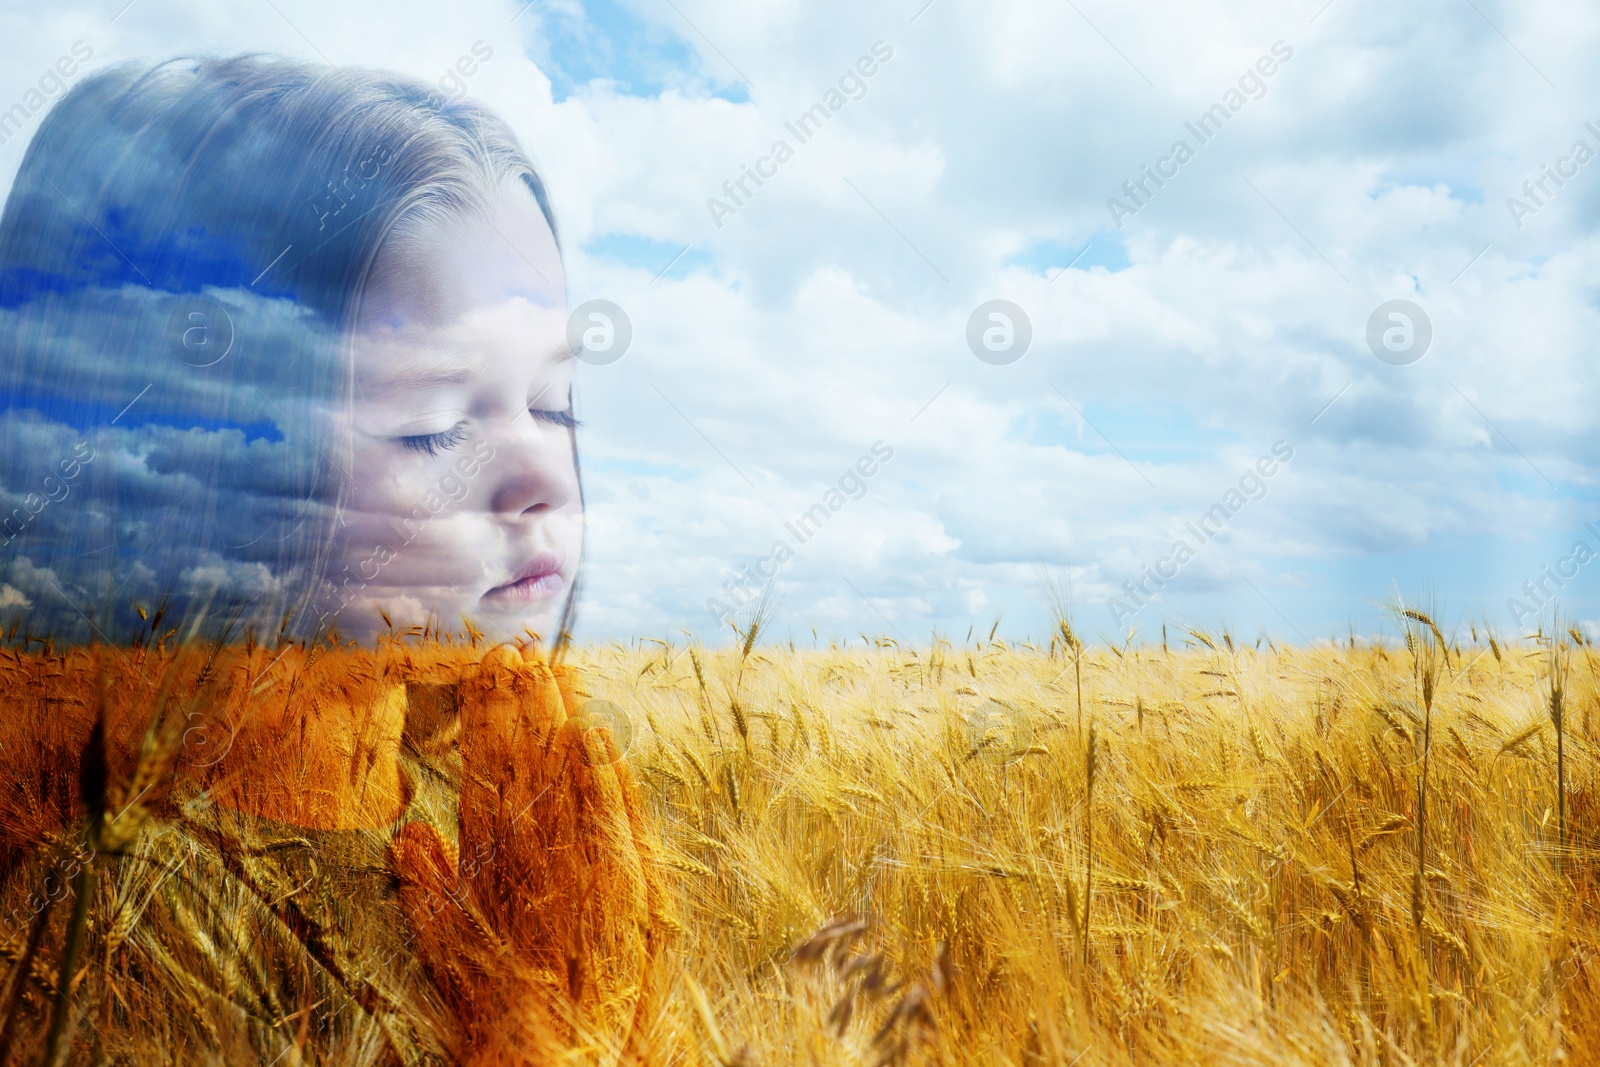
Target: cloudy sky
1217 339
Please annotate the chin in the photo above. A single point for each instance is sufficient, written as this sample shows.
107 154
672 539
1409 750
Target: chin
504 617
508 622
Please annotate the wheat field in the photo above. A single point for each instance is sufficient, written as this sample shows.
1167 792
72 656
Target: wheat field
985 853
1143 857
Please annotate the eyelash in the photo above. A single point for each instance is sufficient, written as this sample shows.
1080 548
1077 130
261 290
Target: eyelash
432 443
556 418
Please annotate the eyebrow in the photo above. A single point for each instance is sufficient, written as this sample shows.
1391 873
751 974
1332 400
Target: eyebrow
422 378
419 378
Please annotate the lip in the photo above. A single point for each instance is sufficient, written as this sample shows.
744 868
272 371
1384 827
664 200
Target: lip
538 579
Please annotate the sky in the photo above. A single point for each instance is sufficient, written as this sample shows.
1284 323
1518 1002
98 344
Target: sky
1249 315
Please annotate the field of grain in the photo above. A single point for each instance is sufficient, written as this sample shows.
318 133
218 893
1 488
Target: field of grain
1216 855
984 853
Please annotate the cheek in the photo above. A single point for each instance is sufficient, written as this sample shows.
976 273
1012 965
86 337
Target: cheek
372 475
390 481
393 500
570 529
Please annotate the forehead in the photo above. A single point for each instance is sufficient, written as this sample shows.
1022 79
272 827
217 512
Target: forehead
438 270
461 296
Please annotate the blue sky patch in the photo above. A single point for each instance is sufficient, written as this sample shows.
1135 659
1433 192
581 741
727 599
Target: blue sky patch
664 257
85 415
1144 434
1048 256
610 43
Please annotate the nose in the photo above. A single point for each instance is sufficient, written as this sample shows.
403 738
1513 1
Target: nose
534 469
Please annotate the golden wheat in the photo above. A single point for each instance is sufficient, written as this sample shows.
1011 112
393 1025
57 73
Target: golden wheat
1263 872
954 855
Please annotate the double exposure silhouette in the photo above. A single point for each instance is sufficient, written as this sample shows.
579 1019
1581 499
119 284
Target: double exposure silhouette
291 535
285 349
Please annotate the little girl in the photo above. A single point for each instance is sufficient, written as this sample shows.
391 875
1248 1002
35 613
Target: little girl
310 324
301 334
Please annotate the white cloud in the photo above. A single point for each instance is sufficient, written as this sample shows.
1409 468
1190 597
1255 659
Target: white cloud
825 313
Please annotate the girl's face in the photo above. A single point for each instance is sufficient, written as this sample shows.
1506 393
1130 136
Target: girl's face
463 495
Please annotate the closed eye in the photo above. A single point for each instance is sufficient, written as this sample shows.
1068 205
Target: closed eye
432 443
556 418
